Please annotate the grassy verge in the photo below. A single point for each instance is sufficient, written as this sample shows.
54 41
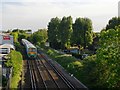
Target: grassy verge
15 61
83 70
71 64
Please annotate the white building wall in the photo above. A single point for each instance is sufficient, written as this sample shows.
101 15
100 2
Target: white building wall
1 39
6 39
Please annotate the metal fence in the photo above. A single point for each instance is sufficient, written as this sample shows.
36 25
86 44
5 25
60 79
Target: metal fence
0 73
9 79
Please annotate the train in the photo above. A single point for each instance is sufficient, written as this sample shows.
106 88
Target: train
31 50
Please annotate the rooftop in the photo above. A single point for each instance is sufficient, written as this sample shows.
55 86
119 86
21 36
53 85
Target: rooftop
7 46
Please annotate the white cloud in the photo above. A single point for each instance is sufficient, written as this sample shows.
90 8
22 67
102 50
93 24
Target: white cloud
36 14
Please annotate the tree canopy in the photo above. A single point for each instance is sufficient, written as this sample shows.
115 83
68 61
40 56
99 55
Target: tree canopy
108 58
115 21
53 32
65 30
82 32
39 37
63 33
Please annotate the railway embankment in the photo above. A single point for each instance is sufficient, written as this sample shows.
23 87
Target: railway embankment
72 65
45 73
14 61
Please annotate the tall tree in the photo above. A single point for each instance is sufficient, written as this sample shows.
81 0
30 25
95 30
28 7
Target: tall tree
77 31
82 32
65 30
88 33
53 34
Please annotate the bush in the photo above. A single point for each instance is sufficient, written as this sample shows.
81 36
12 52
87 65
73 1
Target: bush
108 59
4 81
83 70
18 46
50 52
88 73
15 62
71 64
77 55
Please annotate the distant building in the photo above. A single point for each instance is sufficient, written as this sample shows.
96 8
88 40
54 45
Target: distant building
6 48
28 31
6 39
6 43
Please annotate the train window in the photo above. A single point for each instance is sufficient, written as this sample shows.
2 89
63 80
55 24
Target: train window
32 49
29 49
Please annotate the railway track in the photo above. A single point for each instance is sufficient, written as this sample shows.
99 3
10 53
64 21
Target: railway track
59 84
39 76
62 78
36 78
47 76
43 74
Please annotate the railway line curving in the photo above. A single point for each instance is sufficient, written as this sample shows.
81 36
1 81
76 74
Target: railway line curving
43 74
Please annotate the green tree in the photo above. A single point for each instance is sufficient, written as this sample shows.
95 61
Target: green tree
77 32
108 59
65 30
15 30
82 32
19 34
88 34
115 21
40 36
22 36
15 36
53 33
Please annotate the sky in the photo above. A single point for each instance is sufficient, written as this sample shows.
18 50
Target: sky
36 14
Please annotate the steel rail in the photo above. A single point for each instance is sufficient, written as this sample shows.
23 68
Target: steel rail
34 86
31 78
49 73
40 73
68 83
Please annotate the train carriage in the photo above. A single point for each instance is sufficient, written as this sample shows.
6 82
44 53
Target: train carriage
31 50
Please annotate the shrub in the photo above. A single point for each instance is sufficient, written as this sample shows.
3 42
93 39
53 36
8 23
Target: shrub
77 55
15 62
71 64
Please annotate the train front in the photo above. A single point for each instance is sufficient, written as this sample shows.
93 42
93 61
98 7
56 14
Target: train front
32 53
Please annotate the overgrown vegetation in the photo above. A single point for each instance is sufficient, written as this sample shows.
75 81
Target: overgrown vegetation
39 37
108 59
3 82
101 70
71 64
15 61
19 34
82 70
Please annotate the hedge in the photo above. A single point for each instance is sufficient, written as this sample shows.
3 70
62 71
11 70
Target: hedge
15 61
